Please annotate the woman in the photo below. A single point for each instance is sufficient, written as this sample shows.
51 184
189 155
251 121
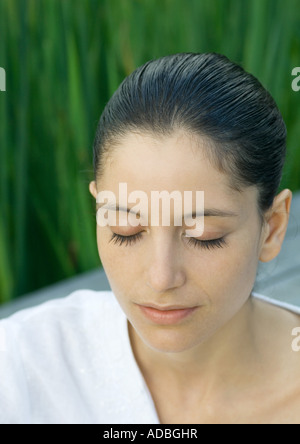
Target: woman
181 338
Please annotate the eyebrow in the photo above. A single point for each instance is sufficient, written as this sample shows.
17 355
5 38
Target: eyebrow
211 212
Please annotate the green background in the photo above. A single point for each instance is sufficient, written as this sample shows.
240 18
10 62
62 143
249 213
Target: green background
63 60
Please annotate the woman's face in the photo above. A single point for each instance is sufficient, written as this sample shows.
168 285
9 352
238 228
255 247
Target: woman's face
163 267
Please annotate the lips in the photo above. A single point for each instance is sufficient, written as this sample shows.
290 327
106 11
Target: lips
166 315
165 308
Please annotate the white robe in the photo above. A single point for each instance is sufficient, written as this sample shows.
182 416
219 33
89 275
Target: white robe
69 361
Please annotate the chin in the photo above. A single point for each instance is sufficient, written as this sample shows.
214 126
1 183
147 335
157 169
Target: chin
169 341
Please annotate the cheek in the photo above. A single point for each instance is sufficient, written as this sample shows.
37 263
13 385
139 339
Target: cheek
119 266
232 274
226 280
107 255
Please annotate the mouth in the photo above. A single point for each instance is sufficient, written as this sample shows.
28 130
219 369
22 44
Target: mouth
166 315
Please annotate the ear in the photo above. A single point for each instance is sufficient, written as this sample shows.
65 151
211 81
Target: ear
277 222
93 189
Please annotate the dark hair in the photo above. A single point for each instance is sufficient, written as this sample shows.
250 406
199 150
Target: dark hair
204 94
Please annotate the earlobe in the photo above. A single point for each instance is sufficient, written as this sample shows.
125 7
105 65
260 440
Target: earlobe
93 189
277 223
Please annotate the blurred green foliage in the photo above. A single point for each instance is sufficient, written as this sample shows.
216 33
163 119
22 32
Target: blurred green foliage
63 60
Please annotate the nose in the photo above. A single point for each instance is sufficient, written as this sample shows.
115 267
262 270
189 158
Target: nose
166 270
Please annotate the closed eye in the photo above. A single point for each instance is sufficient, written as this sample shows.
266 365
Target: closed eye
206 244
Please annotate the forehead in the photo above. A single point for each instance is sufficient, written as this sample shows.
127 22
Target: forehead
140 158
176 162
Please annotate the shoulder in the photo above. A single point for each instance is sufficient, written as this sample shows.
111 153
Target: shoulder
81 299
53 320
45 349
278 323
278 303
79 306
62 323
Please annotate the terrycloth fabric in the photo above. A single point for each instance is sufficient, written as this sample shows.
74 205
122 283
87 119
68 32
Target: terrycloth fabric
70 360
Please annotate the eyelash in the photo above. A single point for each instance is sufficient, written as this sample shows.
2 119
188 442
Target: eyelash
208 244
